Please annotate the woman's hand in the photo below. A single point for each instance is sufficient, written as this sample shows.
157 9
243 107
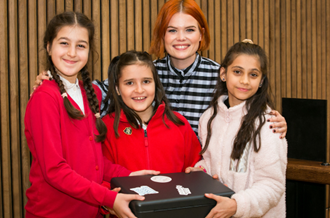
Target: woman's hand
225 207
193 169
144 172
42 76
121 203
279 124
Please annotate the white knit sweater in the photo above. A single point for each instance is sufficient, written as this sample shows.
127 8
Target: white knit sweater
260 190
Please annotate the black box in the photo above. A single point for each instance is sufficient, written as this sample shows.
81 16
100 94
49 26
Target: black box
168 202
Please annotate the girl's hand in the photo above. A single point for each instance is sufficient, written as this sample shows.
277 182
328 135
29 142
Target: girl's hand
120 205
225 207
279 124
216 177
192 169
42 76
144 172
111 211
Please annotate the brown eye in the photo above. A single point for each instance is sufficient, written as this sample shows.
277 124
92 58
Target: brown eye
237 71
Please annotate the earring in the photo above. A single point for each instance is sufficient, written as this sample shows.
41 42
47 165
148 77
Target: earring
223 79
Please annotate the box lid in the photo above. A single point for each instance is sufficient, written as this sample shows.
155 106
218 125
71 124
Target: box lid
168 196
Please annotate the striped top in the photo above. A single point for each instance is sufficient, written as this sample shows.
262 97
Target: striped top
189 90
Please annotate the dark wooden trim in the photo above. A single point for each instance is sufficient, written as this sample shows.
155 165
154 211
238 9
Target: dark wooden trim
308 171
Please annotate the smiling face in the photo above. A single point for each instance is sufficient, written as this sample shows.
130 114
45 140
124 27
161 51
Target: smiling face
182 39
242 77
136 86
69 51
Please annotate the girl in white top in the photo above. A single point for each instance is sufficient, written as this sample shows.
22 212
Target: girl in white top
238 148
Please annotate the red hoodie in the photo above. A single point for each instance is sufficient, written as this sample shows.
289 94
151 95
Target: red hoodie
67 165
166 149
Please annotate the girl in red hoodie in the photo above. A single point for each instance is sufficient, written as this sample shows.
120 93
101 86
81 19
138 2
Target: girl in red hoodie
146 134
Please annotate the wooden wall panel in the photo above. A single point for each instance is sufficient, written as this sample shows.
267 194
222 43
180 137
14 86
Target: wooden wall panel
114 29
6 197
294 34
14 106
138 26
210 16
69 5
217 31
286 46
323 51
21 161
130 25
60 6
122 27
147 27
97 61
105 37
32 72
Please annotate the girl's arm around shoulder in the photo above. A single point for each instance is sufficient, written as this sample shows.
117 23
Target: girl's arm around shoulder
268 178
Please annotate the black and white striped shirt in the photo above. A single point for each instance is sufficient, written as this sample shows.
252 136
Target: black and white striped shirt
189 91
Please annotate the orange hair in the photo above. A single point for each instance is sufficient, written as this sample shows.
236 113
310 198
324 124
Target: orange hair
170 8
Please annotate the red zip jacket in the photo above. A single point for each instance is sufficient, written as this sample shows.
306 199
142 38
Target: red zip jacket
67 165
168 150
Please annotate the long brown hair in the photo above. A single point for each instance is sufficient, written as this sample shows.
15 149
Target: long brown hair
165 14
70 19
116 102
255 105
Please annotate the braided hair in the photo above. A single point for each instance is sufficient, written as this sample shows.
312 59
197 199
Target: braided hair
70 18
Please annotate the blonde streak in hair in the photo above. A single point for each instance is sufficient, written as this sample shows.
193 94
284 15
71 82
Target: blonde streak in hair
75 19
181 6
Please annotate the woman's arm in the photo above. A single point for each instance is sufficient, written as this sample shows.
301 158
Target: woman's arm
279 124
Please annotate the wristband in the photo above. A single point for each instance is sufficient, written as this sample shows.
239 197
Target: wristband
105 208
202 168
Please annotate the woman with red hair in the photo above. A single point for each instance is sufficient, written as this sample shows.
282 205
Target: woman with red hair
180 31
188 78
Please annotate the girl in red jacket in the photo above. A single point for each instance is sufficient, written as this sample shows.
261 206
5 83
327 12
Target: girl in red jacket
64 130
146 134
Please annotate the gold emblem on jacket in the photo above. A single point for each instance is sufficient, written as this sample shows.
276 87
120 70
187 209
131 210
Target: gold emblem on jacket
128 131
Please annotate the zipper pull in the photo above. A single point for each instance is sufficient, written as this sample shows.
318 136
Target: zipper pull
146 144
